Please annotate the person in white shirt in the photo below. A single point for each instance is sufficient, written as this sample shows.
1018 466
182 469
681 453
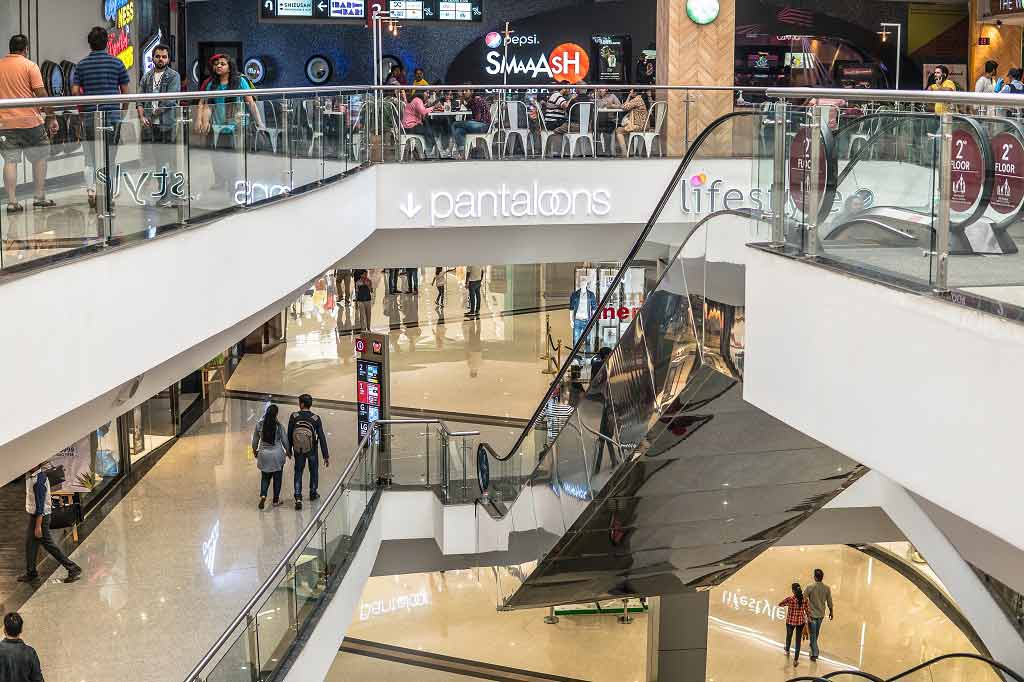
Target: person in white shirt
987 81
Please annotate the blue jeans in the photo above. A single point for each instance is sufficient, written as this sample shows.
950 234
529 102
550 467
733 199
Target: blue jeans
578 327
266 477
474 297
461 128
815 627
314 473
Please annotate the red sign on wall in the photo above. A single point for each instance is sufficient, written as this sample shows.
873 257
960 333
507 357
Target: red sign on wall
800 167
966 172
1008 185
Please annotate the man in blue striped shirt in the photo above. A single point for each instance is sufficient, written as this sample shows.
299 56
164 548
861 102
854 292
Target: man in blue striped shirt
100 74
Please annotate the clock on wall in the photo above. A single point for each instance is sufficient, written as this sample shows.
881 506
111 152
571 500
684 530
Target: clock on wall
702 11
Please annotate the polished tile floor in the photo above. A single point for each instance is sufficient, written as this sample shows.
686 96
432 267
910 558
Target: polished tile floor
172 564
883 625
439 360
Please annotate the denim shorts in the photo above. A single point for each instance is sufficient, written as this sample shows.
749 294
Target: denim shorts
32 142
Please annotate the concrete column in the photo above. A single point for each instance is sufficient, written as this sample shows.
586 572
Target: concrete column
677 638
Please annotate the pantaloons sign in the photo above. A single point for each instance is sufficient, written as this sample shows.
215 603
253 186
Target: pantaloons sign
509 201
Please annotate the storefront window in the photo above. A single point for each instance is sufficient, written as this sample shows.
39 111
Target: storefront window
150 425
92 464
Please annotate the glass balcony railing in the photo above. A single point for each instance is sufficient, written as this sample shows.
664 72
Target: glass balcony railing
402 452
131 167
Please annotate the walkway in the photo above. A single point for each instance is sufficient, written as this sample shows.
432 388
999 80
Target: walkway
883 624
439 360
173 563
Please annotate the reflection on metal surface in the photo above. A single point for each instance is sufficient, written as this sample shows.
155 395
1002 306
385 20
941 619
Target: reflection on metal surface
704 482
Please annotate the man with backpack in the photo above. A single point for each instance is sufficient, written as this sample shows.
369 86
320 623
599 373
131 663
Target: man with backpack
305 438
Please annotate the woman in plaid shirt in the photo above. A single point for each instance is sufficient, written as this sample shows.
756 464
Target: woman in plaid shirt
797 615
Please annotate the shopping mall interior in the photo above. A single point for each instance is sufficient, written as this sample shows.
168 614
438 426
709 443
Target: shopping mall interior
643 340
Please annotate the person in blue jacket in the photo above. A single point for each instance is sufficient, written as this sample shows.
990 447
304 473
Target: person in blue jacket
582 305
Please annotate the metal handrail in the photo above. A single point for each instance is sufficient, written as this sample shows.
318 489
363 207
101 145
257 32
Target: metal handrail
923 96
84 100
327 505
828 677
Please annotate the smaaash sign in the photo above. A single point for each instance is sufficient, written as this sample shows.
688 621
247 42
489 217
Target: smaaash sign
566 63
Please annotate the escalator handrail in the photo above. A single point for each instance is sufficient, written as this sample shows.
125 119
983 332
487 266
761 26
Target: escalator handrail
828 677
978 657
633 252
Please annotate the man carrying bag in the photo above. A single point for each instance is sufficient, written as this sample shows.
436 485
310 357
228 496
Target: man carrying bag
305 438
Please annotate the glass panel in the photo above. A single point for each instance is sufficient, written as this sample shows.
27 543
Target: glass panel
51 167
340 522
408 452
307 141
339 115
574 469
275 625
998 232
235 665
216 166
268 168
310 576
881 214
148 184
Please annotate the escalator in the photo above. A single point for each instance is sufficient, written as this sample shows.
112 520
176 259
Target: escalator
886 183
946 668
654 476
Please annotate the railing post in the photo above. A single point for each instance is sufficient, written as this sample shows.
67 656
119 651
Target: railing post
101 185
293 601
941 281
326 568
182 144
427 434
812 202
779 177
254 649
286 126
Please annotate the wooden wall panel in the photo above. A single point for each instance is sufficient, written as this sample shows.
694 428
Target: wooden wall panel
1004 47
689 54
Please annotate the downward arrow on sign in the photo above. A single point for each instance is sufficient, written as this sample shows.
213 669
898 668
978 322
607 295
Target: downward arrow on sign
410 208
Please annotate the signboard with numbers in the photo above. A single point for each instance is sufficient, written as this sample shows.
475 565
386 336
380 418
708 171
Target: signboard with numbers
1008 186
313 9
372 387
800 171
966 172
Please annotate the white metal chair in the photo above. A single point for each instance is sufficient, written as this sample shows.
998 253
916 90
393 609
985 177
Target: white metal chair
488 137
542 131
652 130
269 129
580 115
405 139
517 124
313 112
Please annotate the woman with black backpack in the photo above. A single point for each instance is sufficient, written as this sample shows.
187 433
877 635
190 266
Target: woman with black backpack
269 443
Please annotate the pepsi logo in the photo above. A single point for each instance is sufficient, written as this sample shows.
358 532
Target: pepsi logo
493 40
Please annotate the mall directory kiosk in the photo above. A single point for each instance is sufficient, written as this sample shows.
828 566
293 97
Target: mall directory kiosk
373 396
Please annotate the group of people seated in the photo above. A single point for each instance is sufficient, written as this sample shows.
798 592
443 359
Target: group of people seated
443 119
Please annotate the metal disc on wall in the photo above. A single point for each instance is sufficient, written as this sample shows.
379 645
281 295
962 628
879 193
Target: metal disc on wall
318 69
53 78
197 77
256 70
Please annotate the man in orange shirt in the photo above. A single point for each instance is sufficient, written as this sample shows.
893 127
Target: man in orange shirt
21 130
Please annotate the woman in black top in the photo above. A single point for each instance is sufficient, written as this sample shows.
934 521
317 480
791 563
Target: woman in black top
364 299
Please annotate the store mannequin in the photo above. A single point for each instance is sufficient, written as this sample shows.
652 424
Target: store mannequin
582 306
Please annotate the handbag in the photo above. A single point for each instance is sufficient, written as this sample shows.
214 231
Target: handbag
65 516
56 476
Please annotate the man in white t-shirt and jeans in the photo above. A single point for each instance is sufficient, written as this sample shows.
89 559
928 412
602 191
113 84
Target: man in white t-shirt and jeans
819 595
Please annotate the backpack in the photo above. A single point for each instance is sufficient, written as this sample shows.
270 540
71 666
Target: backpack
303 437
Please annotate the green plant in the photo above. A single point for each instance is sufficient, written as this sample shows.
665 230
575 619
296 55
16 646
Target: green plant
87 480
